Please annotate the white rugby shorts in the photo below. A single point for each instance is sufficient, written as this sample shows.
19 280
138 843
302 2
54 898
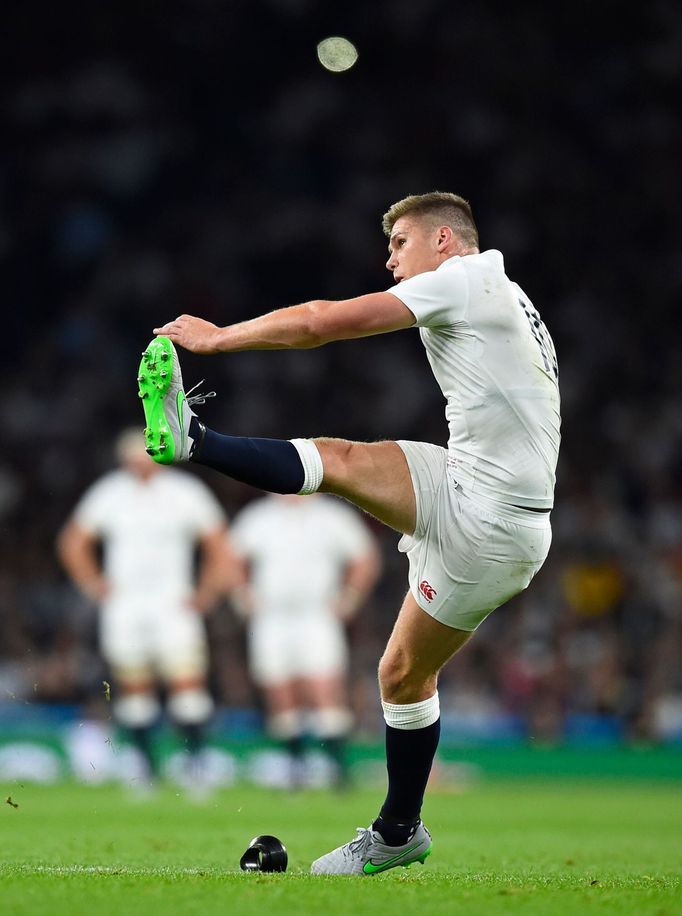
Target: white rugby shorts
282 647
467 556
166 638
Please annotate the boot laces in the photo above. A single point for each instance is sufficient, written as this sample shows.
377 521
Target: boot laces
358 846
199 398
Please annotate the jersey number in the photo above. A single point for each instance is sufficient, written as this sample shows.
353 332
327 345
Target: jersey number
544 341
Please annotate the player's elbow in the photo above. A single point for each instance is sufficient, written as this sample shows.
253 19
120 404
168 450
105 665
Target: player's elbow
374 565
318 327
65 543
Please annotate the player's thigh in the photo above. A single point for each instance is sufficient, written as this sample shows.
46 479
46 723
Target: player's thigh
279 697
323 691
125 646
181 651
417 649
271 660
321 650
133 679
374 476
296 649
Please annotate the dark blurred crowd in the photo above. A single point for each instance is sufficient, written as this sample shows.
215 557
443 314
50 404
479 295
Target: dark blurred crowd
197 158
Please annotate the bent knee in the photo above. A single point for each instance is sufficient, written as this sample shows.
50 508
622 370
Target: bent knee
338 456
401 681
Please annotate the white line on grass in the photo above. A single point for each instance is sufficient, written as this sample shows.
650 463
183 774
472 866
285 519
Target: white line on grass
63 870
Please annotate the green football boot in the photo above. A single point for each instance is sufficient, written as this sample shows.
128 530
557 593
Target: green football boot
167 408
367 854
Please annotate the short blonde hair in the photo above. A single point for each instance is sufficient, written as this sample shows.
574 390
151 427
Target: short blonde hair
129 442
436 206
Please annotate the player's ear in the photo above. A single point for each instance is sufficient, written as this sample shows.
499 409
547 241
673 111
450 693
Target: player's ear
445 236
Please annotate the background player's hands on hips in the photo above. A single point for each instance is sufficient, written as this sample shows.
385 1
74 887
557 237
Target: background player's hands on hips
201 601
96 589
192 333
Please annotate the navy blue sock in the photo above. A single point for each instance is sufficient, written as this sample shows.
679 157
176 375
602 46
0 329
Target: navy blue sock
269 464
409 756
142 738
193 735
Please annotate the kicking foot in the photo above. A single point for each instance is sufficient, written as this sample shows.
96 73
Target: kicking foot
367 854
167 408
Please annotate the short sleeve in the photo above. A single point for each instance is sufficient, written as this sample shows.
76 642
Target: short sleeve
352 537
245 531
437 298
205 511
95 506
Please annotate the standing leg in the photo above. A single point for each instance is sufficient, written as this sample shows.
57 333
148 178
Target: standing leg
190 706
408 676
136 709
285 724
181 657
331 720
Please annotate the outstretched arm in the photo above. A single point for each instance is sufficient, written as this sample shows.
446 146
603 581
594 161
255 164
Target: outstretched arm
311 324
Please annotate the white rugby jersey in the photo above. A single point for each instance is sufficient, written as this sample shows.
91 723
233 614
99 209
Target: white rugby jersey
495 363
298 548
149 530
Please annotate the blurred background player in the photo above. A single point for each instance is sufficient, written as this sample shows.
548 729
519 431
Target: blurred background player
147 519
312 563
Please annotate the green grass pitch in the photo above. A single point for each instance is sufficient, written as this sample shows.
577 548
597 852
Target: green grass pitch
547 847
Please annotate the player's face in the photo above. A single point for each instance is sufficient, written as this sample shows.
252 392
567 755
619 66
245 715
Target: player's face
138 462
413 248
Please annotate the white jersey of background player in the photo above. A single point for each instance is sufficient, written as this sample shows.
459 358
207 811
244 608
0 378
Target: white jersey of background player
311 563
150 521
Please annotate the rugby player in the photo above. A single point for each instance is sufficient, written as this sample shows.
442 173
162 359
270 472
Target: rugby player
149 522
474 517
311 565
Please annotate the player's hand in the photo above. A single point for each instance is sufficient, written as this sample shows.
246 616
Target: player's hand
96 589
347 603
243 601
201 601
193 334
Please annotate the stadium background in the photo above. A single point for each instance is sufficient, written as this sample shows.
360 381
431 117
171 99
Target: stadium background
196 157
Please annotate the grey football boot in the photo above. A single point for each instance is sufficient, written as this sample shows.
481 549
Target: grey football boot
167 408
367 854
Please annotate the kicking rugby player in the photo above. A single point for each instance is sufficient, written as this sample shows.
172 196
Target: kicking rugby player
474 517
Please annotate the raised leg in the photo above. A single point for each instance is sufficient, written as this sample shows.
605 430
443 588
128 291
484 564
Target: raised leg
373 476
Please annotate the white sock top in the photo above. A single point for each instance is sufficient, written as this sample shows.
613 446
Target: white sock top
312 465
409 716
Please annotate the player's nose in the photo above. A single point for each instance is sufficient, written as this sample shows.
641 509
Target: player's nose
392 263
